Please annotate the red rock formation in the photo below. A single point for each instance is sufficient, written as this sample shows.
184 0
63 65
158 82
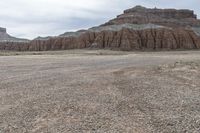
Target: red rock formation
169 29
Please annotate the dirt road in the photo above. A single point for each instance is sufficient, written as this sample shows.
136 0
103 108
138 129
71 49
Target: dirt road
96 91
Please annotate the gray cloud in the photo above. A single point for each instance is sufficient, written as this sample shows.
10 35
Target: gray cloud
32 18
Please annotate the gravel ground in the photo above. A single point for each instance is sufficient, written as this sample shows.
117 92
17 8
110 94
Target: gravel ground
94 91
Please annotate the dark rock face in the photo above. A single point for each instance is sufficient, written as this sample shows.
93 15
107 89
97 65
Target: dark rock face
2 30
138 28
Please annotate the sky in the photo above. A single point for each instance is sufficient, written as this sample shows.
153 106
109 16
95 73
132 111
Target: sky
33 18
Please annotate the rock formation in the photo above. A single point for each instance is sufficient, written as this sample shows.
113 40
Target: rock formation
166 17
137 28
5 37
8 42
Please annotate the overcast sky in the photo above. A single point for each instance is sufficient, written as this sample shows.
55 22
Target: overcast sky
32 18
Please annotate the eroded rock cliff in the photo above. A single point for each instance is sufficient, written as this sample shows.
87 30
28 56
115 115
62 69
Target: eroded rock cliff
137 28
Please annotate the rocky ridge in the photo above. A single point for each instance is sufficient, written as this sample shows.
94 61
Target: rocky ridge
166 17
137 28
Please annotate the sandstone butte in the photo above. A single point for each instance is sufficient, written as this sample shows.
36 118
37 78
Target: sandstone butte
138 28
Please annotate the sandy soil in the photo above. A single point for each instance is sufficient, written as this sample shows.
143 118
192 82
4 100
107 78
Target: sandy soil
100 91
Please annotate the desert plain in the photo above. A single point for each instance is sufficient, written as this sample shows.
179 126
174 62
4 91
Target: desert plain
99 91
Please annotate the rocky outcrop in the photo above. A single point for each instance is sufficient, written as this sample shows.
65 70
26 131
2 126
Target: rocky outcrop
8 42
2 30
166 17
137 28
5 37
